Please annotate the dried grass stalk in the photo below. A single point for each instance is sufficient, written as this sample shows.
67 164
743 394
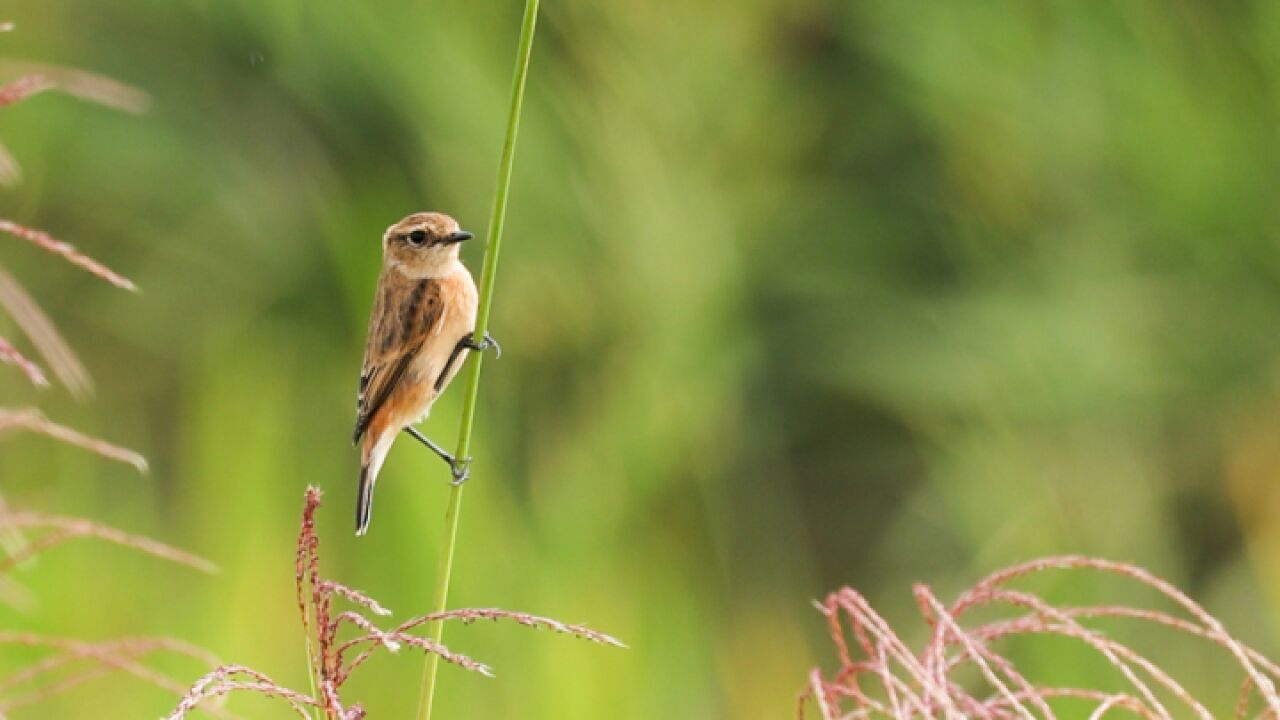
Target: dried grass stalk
61 529
10 355
32 420
23 88
68 663
71 663
68 252
10 171
82 84
40 330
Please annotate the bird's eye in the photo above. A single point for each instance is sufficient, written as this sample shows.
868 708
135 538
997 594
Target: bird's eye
417 238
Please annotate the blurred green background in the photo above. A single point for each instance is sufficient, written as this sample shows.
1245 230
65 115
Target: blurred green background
795 295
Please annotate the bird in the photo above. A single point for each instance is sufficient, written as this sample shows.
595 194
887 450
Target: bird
420 331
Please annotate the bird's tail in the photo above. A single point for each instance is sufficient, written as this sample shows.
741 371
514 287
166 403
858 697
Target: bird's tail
364 501
370 463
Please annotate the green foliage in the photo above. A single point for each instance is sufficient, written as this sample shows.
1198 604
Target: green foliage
798 294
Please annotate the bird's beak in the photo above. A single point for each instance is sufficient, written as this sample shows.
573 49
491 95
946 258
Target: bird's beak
458 237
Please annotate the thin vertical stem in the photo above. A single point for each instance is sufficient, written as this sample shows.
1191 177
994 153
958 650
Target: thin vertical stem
487 275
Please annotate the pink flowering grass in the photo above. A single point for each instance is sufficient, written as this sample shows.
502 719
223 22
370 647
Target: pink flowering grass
63 664
66 251
33 79
78 83
10 355
23 88
54 530
67 664
340 637
880 676
32 420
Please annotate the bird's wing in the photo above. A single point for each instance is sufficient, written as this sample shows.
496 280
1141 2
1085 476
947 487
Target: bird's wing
405 315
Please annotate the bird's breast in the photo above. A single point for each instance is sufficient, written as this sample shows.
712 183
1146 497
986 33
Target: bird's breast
457 320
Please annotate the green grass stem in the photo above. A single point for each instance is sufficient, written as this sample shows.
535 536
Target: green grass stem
487 276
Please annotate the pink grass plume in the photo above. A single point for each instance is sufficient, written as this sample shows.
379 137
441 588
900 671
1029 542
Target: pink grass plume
880 676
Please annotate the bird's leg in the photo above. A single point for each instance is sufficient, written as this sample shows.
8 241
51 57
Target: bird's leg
468 342
417 435
460 469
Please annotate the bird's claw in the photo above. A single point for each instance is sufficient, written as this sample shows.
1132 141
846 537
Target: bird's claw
461 470
484 344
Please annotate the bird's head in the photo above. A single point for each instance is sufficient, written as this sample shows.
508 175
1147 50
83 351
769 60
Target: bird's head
423 244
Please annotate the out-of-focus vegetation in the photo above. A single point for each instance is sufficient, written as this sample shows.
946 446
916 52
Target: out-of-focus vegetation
796 295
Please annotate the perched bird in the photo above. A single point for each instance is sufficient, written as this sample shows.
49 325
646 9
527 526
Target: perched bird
424 314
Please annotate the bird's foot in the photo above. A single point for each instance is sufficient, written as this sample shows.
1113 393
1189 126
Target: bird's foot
486 343
461 471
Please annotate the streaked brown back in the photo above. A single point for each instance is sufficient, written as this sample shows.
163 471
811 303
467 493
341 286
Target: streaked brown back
406 313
